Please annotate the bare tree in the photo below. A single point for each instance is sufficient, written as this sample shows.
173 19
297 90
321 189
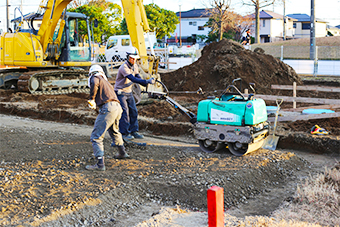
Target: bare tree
77 3
242 23
258 4
223 19
220 15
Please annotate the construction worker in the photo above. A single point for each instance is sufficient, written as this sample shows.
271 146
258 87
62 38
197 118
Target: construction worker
102 95
128 74
246 40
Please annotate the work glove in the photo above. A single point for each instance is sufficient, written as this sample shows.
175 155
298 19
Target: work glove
151 81
92 104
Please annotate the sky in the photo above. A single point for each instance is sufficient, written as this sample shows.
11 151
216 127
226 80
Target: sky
326 10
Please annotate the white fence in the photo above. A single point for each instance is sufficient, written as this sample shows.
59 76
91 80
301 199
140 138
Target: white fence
300 52
162 53
324 67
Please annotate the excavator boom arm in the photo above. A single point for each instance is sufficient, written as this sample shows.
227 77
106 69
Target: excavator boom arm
53 12
137 23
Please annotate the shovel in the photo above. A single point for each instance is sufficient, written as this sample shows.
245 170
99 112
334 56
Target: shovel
272 140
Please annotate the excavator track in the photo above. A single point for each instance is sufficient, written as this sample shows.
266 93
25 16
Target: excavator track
54 82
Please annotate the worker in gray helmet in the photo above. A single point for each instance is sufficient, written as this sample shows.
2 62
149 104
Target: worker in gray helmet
102 95
128 74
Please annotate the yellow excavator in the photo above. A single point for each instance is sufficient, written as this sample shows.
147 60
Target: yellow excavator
138 25
52 60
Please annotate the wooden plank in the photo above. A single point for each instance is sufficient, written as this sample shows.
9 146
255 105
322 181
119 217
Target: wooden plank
305 117
294 94
167 62
299 99
332 107
110 63
307 88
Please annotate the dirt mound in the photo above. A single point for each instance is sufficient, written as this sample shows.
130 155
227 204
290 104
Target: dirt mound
222 62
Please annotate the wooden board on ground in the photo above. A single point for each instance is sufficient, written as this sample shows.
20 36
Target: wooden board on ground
299 99
305 117
300 109
307 88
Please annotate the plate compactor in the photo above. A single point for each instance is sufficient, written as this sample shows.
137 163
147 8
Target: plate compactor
232 120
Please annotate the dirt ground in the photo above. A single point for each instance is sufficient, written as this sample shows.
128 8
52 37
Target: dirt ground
45 147
44 181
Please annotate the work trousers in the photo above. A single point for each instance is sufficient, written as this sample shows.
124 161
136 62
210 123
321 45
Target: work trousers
128 122
107 120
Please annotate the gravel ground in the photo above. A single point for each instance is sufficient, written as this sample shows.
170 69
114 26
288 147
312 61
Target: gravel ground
44 183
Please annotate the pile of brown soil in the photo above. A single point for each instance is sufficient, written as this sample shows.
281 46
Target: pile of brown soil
222 62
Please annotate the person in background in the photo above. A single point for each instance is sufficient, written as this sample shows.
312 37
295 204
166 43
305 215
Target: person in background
128 74
102 95
246 40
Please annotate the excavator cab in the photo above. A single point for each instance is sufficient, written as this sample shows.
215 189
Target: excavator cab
74 45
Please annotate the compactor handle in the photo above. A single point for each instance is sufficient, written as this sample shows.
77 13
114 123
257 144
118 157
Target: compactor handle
163 85
228 89
238 79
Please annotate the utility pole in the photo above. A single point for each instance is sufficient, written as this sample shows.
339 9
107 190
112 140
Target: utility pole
21 13
312 31
7 15
180 28
313 48
284 20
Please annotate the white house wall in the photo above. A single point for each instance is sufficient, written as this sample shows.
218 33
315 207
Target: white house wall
320 29
265 30
299 33
188 30
290 31
276 28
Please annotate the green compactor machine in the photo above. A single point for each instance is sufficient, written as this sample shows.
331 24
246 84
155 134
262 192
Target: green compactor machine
232 120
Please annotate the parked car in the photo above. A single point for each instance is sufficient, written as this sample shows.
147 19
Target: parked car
118 45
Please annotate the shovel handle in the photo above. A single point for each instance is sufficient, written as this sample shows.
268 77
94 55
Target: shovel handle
278 103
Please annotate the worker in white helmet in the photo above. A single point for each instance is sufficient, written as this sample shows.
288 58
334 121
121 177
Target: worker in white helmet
128 74
102 95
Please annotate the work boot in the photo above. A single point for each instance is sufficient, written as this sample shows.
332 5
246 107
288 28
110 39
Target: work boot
121 153
136 135
100 166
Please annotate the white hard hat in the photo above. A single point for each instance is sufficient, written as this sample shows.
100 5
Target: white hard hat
96 68
133 54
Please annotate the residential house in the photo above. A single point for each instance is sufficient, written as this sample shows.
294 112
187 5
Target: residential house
302 26
333 30
191 26
271 27
27 22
